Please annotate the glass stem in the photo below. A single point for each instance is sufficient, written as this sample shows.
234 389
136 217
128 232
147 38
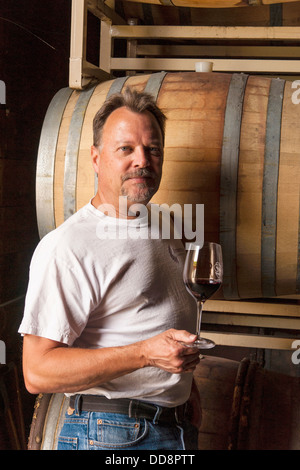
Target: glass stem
199 315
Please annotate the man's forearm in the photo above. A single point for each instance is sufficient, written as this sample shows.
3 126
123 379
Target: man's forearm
64 369
52 367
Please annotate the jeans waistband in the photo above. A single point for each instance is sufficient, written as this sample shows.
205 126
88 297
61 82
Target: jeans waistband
132 408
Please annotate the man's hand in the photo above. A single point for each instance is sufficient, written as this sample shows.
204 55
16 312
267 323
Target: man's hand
167 352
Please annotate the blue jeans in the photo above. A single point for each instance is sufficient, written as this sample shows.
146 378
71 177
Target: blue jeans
110 431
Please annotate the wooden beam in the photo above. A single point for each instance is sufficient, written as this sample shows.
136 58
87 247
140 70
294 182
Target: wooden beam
80 71
170 50
258 321
102 11
219 65
250 341
93 71
264 33
78 45
105 47
253 308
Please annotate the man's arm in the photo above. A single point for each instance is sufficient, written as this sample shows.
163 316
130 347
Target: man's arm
52 367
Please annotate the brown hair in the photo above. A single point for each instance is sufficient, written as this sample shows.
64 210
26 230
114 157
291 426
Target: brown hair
138 102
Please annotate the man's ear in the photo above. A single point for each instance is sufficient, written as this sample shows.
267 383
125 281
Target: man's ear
95 154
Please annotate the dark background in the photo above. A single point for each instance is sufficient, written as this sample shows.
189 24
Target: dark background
34 61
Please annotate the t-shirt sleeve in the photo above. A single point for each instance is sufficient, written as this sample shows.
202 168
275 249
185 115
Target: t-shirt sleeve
58 300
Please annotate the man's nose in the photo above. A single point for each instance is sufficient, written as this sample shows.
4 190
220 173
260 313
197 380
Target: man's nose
141 157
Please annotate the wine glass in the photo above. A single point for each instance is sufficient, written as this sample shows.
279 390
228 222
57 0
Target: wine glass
202 276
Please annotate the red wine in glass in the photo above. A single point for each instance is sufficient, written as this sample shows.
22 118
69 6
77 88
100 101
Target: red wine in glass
202 276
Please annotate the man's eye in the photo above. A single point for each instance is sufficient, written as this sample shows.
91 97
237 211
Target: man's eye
155 151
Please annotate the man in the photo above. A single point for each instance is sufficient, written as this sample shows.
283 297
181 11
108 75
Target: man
106 310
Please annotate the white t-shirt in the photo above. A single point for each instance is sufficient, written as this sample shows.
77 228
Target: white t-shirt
97 281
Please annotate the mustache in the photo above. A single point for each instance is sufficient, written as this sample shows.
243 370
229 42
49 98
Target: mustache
142 172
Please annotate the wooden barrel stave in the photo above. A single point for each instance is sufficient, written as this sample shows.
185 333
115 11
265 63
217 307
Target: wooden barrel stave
215 379
250 177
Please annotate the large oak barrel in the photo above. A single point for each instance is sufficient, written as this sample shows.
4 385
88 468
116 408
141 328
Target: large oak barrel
47 421
244 407
247 407
232 144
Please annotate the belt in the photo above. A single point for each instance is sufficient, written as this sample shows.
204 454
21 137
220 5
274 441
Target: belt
131 408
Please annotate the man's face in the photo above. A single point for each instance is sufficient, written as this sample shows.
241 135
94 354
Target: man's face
129 160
